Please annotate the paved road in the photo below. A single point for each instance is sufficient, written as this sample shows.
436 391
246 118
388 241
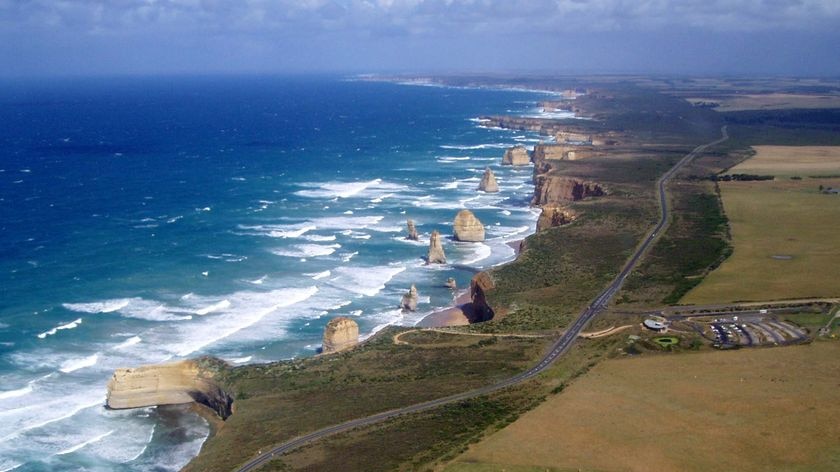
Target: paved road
557 349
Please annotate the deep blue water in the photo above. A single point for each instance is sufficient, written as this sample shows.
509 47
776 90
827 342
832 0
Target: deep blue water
145 220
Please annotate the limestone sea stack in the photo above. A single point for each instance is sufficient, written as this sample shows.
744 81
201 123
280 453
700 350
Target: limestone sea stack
412 231
488 182
167 384
341 333
409 299
467 227
451 283
516 156
436 254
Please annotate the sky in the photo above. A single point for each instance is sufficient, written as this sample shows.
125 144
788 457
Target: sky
150 37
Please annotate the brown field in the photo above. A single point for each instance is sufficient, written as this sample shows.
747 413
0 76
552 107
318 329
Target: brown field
789 161
771 101
746 410
786 239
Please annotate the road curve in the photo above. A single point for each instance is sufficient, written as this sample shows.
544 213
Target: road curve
557 349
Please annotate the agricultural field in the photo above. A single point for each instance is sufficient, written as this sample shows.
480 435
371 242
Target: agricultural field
770 101
790 161
786 239
687 412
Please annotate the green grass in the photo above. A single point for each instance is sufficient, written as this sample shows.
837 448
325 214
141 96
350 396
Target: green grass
666 341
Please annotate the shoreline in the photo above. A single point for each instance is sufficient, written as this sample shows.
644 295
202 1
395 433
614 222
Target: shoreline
460 311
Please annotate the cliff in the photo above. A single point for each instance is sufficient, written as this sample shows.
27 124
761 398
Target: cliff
553 215
341 333
167 384
488 182
436 254
516 156
479 285
556 189
467 227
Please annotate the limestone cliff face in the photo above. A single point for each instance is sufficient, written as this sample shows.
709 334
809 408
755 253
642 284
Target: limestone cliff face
410 299
467 227
554 215
543 152
412 230
341 333
479 285
167 384
516 156
488 182
567 136
557 189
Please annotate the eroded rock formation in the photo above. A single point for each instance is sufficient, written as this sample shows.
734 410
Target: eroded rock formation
451 283
341 333
516 156
554 215
557 189
412 230
168 384
479 285
569 137
488 182
467 227
436 254
410 299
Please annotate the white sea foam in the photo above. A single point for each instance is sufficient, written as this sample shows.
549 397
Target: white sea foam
90 441
72 365
247 308
451 185
320 275
129 342
348 256
259 281
319 238
213 308
105 306
476 146
69 325
367 281
16 393
306 250
480 252
345 189
240 360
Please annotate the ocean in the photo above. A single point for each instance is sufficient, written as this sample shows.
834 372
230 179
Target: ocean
153 219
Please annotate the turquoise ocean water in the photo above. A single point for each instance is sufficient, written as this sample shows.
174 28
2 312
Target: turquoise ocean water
147 220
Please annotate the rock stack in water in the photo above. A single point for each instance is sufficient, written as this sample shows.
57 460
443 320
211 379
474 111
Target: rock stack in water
467 227
488 182
341 333
409 299
436 255
412 231
451 283
516 156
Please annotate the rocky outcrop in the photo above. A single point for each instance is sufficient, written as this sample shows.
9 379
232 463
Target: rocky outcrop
480 284
488 182
557 189
167 384
573 137
555 215
410 299
436 254
450 283
516 156
341 333
467 227
412 231
555 152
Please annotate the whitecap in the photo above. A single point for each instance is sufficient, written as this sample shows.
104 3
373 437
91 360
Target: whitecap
72 365
212 308
129 342
105 306
69 325
347 257
367 281
481 252
259 281
320 275
336 189
306 250
319 238
85 443
16 393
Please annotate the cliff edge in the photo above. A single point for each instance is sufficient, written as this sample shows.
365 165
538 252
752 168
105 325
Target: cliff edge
167 384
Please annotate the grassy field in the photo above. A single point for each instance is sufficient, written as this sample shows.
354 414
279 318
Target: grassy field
772 101
691 412
788 161
786 238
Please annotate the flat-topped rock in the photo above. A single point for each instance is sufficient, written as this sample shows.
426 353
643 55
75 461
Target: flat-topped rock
516 156
467 227
340 333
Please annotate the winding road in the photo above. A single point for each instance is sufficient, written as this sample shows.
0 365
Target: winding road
559 347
